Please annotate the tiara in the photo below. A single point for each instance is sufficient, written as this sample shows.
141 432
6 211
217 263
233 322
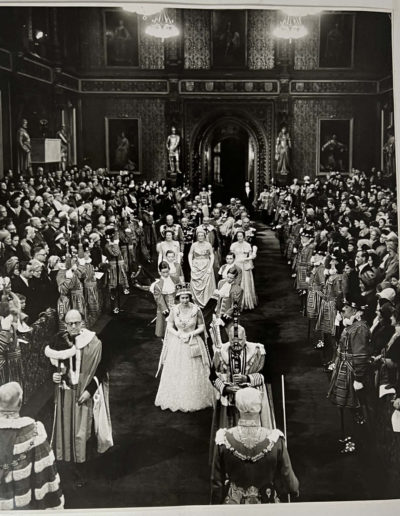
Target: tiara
183 288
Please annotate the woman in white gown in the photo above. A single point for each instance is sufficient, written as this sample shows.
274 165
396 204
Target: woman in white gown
201 261
244 256
184 383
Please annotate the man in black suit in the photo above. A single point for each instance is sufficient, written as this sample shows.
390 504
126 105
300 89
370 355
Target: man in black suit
22 285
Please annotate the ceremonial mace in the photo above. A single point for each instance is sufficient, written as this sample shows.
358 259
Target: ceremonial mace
284 416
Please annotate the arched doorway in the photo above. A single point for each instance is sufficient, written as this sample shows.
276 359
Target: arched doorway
228 146
229 162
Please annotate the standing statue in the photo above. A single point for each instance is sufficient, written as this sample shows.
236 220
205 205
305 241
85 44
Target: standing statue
23 148
283 147
389 163
173 147
63 137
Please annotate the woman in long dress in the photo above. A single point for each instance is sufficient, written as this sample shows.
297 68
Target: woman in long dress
201 261
168 244
244 256
184 383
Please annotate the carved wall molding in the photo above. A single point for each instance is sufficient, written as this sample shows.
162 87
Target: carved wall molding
386 84
256 118
260 42
229 87
35 70
66 81
197 39
159 87
327 87
5 60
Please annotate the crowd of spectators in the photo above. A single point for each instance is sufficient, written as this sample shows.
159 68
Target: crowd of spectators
339 236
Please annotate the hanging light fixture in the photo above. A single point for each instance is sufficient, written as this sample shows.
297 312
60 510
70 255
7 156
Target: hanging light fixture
144 10
291 27
162 26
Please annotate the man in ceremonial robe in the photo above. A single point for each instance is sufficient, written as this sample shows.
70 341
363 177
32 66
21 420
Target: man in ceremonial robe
82 369
28 474
252 464
237 364
351 377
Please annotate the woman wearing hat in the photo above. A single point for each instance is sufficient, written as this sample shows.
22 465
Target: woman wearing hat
252 464
184 383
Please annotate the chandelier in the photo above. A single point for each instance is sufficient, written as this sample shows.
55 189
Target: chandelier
291 27
162 26
144 10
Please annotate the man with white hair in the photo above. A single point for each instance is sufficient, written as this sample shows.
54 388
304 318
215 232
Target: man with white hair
252 463
28 474
81 370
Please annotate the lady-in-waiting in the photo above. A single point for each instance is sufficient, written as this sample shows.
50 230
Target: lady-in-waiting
244 256
184 383
168 244
201 261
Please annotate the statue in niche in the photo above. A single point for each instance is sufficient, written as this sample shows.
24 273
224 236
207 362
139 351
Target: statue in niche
63 137
24 164
283 148
173 147
389 158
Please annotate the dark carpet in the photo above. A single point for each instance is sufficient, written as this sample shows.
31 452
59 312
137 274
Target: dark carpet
160 457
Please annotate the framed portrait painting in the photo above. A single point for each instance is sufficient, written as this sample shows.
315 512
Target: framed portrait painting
336 40
335 145
123 145
121 38
229 39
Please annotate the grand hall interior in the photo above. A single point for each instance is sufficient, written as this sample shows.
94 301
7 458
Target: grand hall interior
199 268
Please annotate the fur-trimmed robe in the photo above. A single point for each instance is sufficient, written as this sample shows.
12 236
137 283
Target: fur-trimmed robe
28 475
74 422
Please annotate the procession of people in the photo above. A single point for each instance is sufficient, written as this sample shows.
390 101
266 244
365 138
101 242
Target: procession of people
79 242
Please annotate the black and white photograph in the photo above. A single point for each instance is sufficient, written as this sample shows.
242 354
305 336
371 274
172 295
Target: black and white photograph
199 264
336 40
121 38
229 39
335 145
123 144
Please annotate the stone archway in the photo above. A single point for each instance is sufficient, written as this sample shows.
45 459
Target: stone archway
223 121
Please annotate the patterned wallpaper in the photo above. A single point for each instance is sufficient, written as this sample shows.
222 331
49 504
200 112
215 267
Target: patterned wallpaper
260 42
306 50
151 50
151 113
197 40
306 113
